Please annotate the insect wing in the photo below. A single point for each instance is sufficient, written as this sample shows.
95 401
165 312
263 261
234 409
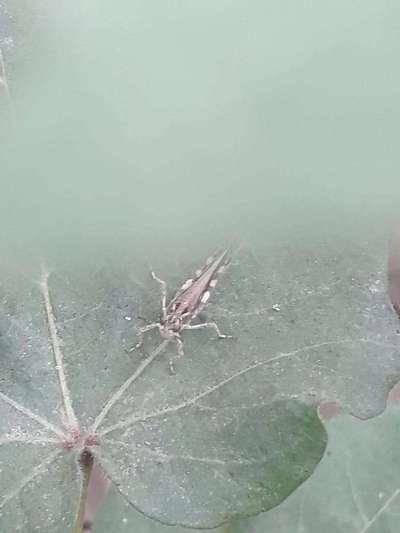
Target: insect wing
192 295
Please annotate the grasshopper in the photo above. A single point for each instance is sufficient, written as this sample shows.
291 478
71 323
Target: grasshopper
187 304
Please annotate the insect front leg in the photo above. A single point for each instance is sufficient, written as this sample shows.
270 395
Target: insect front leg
140 333
208 325
163 287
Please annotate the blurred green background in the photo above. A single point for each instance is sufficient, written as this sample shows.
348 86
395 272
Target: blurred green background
158 123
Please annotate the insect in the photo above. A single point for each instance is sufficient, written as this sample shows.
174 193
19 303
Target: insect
187 303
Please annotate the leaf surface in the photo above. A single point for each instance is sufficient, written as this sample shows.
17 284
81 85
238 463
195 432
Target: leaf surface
354 489
235 430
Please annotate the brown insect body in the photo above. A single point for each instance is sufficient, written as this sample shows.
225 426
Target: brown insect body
187 303
194 293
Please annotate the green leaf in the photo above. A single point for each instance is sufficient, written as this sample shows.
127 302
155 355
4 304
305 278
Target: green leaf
118 516
234 431
39 485
354 489
206 465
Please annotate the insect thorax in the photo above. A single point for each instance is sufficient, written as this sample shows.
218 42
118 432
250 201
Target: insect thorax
172 322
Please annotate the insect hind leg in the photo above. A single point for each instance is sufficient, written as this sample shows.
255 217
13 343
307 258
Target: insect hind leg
212 325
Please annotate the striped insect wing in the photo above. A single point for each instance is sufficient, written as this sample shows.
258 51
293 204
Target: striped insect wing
194 293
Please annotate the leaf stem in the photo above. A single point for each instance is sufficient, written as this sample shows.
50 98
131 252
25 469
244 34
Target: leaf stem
86 461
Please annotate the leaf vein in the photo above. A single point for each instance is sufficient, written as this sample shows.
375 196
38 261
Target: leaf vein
71 419
167 457
27 479
135 418
30 414
380 511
